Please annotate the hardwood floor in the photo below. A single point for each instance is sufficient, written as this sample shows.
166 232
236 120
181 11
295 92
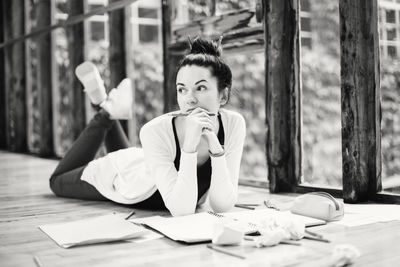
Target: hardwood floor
27 202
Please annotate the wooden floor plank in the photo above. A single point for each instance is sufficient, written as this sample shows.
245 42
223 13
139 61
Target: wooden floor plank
27 202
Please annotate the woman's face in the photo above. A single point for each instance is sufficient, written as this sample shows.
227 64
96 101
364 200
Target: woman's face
196 87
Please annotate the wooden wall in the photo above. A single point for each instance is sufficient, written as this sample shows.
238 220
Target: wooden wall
38 80
43 106
2 83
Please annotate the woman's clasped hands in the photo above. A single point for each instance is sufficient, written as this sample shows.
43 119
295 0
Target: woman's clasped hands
200 123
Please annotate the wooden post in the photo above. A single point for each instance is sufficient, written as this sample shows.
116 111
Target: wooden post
170 61
38 79
130 71
117 62
283 94
75 39
2 82
15 109
360 89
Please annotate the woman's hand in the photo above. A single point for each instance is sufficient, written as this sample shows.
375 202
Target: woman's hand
197 122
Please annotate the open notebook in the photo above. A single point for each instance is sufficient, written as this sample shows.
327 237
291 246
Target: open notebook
199 227
101 229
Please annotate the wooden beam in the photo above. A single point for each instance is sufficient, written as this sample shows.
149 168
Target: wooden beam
283 94
130 73
2 82
75 39
116 49
38 79
170 60
360 89
15 76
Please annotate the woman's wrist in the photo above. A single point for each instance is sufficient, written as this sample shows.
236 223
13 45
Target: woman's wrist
216 154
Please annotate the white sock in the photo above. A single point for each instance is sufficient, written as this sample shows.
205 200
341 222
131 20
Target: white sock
119 101
93 85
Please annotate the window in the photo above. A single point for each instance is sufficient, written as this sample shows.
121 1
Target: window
146 22
320 67
248 98
390 94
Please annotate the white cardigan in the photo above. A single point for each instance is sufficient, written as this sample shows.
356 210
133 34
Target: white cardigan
132 175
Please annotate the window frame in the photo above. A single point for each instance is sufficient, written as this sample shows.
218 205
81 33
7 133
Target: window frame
281 44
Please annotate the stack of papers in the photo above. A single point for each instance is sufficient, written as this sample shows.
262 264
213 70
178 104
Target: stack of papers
101 229
361 214
199 227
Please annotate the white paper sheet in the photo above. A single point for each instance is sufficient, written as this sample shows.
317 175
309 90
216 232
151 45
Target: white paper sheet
92 230
362 214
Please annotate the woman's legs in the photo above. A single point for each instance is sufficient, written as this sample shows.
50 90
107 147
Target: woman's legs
65 181
116 138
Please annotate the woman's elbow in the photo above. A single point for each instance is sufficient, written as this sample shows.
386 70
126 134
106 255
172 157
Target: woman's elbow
223 206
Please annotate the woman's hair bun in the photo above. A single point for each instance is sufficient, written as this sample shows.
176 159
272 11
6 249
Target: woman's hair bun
203 46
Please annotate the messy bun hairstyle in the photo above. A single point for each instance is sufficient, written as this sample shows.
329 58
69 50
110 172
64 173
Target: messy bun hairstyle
207 53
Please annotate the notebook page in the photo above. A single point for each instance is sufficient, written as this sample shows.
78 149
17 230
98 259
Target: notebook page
192 228
256 216
92 230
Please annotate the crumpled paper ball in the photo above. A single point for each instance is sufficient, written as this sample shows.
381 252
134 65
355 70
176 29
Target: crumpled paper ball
270 238
294 229
343 255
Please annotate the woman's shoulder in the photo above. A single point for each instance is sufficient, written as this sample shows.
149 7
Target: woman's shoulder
232 117
159 121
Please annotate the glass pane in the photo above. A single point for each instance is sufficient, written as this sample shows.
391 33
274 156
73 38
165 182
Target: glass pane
98 41
391 35
390 90
248 98
320 74
97 30
390 16
147 13
148 33
95 6
305 24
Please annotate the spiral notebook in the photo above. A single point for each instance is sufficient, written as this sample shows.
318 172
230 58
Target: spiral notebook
199 227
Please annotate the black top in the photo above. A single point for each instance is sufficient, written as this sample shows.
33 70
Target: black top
155 201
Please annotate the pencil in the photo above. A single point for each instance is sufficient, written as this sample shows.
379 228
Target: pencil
317 239
37 261
225 251
130 215
244 207
289 242
186 114
313 234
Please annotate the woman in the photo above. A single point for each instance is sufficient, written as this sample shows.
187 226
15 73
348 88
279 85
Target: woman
187 157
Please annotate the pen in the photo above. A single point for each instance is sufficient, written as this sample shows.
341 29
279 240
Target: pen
225 251
37 261
244 206
130 215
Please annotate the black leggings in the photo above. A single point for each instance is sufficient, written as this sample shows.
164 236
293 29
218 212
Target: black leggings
66 179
